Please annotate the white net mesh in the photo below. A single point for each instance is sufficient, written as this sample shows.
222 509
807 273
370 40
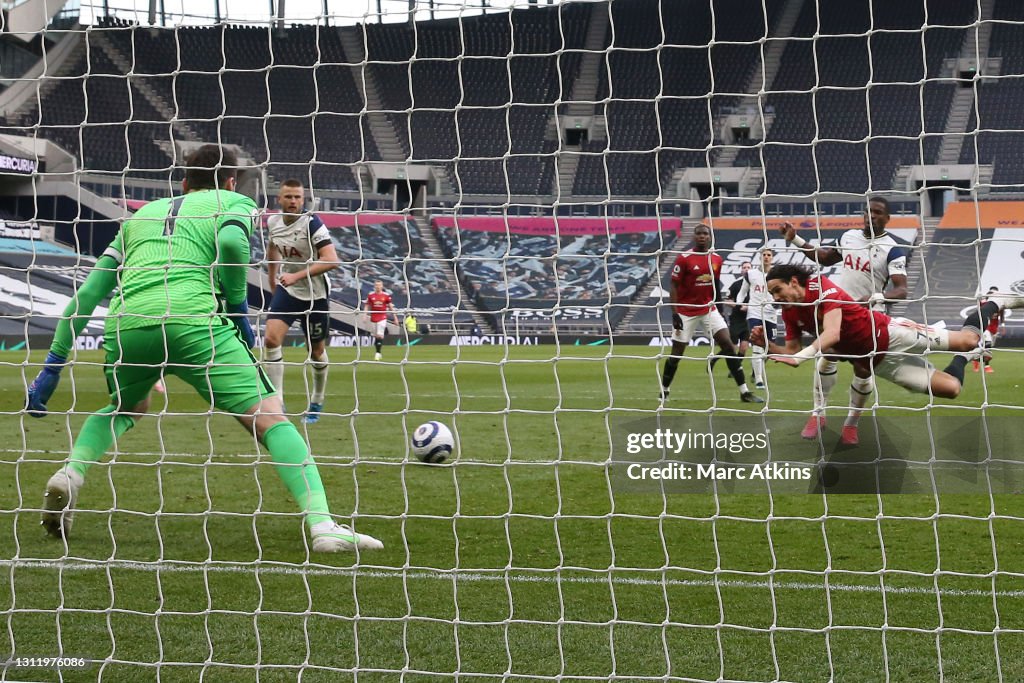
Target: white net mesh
520 182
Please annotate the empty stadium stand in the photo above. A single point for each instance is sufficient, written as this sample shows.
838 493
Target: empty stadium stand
475 95
525 271
387 248
825 110
862 89
997 123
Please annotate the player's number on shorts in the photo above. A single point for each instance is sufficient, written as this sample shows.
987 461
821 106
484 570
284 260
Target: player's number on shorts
316 330
928 333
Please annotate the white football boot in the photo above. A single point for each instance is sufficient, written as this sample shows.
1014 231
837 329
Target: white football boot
329 537
60 500
1006 299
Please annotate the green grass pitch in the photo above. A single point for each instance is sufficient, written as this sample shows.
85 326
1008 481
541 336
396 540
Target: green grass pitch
520 563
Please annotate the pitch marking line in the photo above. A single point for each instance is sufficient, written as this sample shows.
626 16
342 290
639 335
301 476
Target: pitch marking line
471 576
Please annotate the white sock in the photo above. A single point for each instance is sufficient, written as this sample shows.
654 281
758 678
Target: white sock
757 362
320 370
860 392
824 382
275 367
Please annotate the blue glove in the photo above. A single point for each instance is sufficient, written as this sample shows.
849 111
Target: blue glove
45 383
239 314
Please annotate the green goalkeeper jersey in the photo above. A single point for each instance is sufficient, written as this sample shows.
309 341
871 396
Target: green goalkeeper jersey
172 268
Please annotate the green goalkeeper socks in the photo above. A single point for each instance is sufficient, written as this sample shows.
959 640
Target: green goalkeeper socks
297 470
287 449
96 437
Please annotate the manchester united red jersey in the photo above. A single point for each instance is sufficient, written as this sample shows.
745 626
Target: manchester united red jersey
377 303
694 275
863 331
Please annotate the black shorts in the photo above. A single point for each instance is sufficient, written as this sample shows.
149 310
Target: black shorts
769 328
312 315
738 330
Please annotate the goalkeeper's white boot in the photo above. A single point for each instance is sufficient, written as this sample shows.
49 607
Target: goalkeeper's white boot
329 537
60 500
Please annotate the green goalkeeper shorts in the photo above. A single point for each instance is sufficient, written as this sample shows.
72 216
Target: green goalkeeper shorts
212 358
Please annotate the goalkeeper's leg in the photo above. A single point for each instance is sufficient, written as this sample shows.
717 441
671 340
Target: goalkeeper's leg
98 433
237 384
301 477
129 383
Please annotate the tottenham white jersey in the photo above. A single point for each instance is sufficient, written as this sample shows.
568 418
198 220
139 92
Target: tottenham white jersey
299 244
759 305
868 263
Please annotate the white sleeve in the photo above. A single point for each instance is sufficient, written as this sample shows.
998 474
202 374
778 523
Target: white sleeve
898 266
744 292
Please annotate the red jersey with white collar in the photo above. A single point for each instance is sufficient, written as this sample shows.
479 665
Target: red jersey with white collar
377 303
694 275
863 331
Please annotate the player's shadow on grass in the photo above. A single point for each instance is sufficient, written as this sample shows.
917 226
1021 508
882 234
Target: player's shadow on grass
923 455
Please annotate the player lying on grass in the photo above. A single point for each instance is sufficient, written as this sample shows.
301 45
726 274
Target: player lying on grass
694 290
169 262
875 344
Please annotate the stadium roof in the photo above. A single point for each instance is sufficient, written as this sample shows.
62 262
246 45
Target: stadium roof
261 12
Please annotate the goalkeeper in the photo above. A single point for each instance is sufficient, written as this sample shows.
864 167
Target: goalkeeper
169 262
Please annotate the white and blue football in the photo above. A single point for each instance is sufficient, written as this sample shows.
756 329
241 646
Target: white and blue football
432 442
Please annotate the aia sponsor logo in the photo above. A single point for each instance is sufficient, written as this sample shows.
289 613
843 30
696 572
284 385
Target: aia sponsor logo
857 263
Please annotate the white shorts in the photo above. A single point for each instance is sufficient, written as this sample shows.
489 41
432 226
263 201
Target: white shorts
905 362
380 328
710 323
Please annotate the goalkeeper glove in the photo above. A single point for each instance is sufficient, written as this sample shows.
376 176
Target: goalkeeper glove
239 314
677 321
45 383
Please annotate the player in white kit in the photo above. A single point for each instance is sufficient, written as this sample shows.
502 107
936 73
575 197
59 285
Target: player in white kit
871 260
300 252
760 310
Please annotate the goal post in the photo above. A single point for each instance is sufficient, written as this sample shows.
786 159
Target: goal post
521 179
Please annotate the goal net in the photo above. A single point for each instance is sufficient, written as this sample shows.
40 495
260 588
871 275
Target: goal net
520 181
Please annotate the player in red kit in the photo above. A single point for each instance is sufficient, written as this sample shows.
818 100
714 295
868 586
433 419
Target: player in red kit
693 293
378 303
875 344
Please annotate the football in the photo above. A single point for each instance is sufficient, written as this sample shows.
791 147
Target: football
432 442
